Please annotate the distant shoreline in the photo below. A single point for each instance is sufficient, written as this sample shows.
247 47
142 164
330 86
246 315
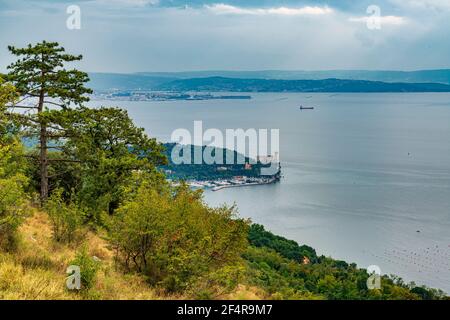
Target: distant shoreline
148 95
277 81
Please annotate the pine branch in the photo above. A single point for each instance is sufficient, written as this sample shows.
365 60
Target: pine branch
21 107
64 160
54 103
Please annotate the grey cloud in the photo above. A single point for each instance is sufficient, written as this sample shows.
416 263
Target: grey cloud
162 38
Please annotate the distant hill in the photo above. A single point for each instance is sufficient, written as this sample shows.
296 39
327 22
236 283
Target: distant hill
161 80
327 85
423 76
206 171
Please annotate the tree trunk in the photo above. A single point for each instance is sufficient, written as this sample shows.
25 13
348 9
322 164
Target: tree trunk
43 160
43 156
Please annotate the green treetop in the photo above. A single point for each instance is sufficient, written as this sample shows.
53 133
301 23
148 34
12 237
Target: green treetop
41 79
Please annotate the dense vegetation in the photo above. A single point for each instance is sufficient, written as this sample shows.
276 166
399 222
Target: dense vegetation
172 238
206 171
278 265
107 209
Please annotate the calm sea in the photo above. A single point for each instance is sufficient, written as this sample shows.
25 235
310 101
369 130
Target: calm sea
366 176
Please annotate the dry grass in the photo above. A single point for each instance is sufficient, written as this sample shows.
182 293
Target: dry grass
243 292
38 269
16 282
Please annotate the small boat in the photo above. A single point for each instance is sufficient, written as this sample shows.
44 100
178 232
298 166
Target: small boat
306 108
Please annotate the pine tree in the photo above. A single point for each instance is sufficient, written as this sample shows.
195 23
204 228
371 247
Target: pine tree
42 81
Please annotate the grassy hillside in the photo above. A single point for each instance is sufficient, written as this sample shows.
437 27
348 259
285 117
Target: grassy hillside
274 268
37 270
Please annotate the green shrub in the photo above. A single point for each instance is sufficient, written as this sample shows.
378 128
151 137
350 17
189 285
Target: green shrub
88 268
219 282
66 218
12 210
174 238
12 196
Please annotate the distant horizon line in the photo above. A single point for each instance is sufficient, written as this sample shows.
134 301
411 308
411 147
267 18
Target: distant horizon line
273 70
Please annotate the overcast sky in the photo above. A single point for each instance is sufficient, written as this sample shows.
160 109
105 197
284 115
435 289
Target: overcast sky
183 35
